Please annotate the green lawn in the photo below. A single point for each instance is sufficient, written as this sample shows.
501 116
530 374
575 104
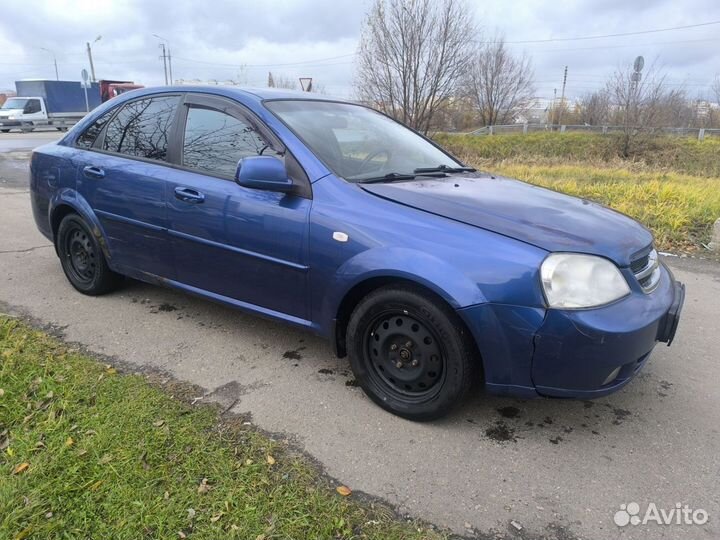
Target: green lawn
672 185
86 452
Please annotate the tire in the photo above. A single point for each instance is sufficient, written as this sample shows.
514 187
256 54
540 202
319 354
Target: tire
5 130
82 258
62 129
410 353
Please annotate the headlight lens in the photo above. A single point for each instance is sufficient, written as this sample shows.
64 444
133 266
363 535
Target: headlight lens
574 281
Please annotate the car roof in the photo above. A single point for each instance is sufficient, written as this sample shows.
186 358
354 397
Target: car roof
248 93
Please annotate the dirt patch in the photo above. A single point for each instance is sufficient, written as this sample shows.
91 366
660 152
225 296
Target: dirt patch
500 432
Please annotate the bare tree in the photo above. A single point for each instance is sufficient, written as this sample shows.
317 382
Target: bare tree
714 112
715 88
280 81
499 83
640 102
412 55
594 108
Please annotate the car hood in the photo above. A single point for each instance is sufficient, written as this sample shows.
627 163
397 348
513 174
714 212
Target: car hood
9 112
542 217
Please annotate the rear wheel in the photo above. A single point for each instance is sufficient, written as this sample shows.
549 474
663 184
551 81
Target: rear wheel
82 259
5 130
410 353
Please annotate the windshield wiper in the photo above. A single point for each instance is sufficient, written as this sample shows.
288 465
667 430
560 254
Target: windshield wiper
444 168
398 177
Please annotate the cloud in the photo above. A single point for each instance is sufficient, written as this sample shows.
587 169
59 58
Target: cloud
242 39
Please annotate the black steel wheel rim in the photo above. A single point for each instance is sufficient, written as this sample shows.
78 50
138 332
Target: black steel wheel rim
404 356
80 254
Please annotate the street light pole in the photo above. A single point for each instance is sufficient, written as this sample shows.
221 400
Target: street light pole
57 76
164 59
89 53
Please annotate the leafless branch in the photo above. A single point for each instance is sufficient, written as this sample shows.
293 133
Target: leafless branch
412 55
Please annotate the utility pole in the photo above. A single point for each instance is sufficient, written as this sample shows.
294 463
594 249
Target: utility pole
92 66
170 65
562 96
57 77
167 58
164 59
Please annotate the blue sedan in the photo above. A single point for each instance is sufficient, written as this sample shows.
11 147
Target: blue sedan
428 275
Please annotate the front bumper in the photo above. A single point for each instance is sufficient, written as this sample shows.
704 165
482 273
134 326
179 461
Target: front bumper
592 353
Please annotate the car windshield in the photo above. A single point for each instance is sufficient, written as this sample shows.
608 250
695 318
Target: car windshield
14 103
358 143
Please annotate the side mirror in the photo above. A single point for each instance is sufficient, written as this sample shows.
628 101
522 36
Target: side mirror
263 172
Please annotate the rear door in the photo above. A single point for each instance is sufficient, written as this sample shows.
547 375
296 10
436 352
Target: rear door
245 244
123 177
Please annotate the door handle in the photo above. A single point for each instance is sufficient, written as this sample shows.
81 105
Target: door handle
93 172
189 195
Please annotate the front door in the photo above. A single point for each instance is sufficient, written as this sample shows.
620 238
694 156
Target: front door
243 244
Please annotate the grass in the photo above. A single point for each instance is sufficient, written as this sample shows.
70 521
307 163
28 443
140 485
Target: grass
671 184
86 452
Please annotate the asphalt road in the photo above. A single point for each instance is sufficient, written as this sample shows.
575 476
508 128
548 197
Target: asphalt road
560 469
16 140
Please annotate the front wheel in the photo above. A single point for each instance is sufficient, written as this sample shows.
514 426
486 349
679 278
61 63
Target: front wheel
5 130
410 353
82 259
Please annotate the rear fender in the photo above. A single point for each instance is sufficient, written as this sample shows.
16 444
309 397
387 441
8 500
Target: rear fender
68 197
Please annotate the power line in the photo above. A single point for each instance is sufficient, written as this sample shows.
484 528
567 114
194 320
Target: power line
622 34
634 45
240 64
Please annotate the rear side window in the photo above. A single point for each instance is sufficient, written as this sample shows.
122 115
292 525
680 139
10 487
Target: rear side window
142 128
90 135
214 141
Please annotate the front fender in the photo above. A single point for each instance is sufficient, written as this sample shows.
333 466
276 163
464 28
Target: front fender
417 266
68 197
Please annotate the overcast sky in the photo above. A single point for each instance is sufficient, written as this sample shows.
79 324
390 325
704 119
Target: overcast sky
242 40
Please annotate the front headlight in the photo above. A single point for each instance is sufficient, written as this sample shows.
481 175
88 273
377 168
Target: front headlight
572 281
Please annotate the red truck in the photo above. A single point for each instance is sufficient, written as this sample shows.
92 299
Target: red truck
110 89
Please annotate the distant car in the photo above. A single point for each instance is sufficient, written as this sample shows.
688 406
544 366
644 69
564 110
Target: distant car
335 218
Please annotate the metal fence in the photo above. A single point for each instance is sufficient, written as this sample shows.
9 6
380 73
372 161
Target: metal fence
699 133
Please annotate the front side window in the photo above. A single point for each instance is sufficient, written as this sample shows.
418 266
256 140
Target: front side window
33 106
356 142
142 128
88 137
215 141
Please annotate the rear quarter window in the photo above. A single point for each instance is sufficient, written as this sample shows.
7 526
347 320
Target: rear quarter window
88 137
